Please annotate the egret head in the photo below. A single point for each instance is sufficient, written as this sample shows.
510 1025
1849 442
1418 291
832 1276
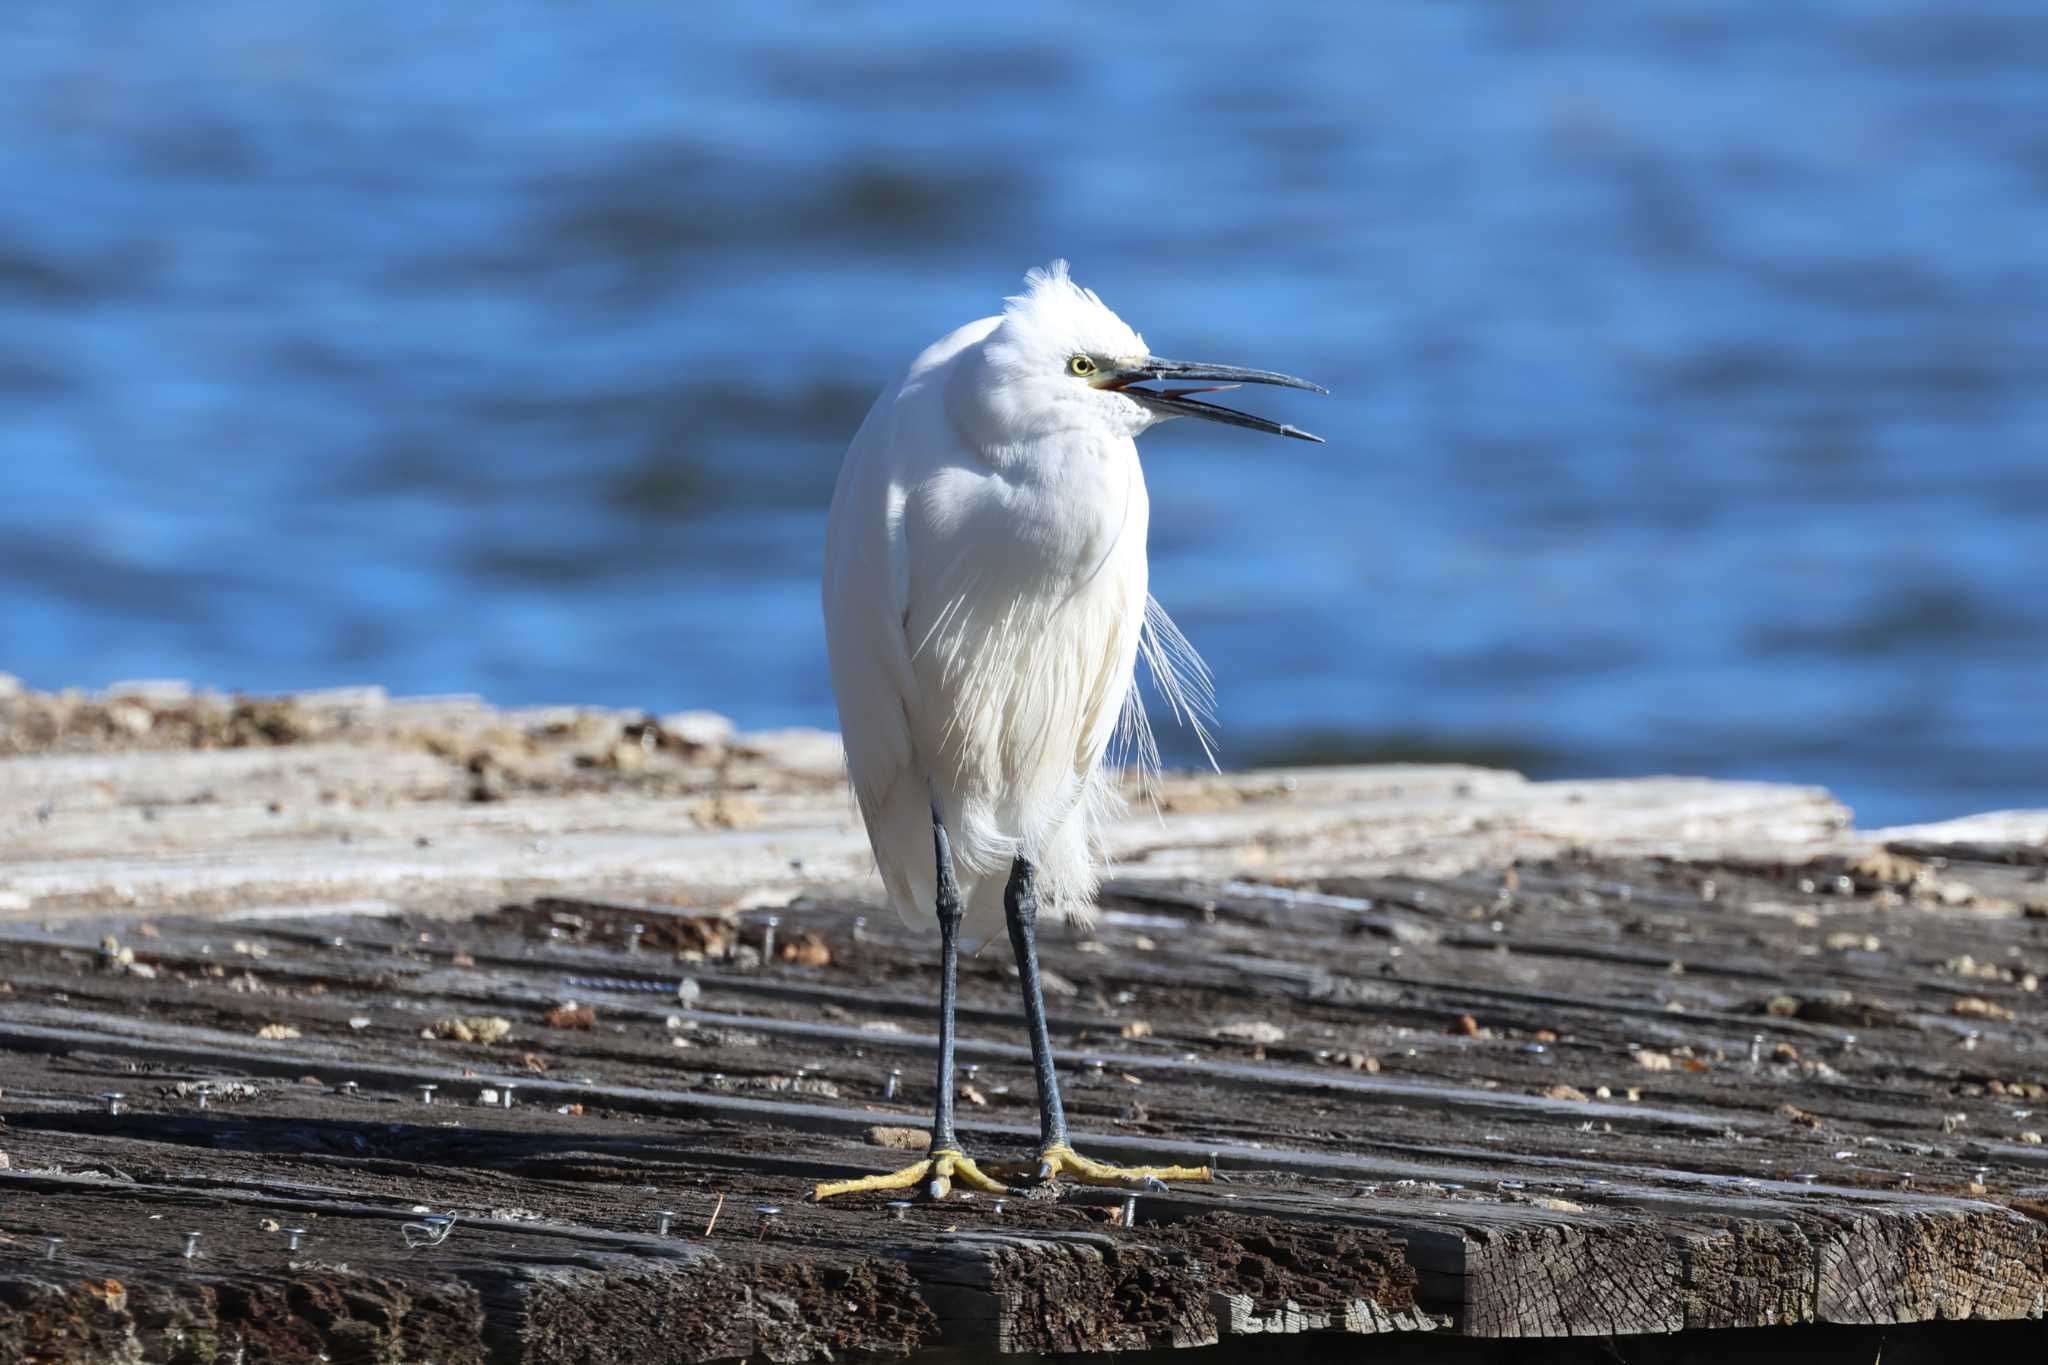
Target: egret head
1060 359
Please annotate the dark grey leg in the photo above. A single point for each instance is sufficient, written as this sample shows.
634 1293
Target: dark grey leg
949 912
1020 906
945 1165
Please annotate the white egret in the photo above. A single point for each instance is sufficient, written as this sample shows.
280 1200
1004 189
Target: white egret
985 606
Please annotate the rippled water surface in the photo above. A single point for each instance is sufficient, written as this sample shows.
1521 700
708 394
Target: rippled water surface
1690 366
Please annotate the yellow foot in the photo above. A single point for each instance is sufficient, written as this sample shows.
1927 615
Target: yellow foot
935 1174
1061 1159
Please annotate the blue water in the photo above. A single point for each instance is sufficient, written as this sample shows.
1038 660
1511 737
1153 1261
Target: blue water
1690 360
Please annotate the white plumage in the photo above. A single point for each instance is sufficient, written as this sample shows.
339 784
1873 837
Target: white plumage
986 602
985 608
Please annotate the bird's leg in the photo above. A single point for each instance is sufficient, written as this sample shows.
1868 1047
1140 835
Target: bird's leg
1055 1154
945 1162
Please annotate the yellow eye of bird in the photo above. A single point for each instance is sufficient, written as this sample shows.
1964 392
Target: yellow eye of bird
1081 366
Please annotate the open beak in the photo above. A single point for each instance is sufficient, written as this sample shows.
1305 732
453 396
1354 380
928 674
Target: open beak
1177 402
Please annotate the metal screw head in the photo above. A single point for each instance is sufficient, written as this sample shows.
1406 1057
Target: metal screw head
1130 1210
634 932
1756 1048
294 1234
348 1090
113 1099
898 1208
973 1070
427 1092
891 1082
860 927
1096 1067
505 1094
662 1219
191 1245
999 1205
769 1213
50 1245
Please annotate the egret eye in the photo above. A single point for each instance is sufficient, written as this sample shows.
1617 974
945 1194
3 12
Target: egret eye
1081 367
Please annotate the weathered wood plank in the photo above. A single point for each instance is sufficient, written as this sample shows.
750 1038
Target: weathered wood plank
213 804
1480 1057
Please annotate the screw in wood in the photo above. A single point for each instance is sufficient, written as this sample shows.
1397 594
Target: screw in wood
662 1219
191 1245
505 1094
771 924
769 1213
634 932
860 928
50 1245
890 1082
114 1099
999 1205
1756 1049
1130 1210
203 1094
348 1090
293 1236
427 1092
898 1208
1096 1068
1848 1043
973 1070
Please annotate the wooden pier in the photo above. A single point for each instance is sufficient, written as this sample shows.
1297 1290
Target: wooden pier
1641 1068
